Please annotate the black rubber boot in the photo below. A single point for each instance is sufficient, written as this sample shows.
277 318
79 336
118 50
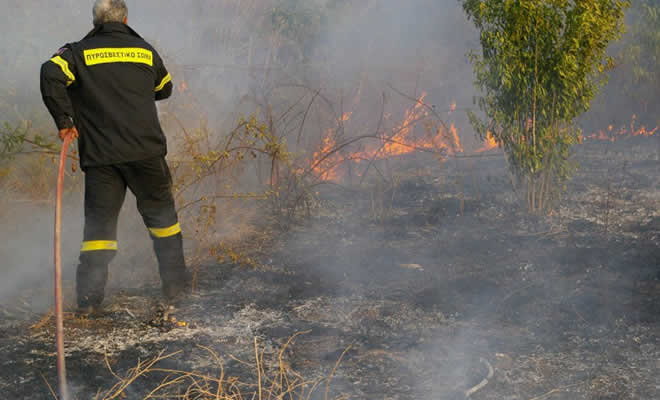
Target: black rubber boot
172 266
91 278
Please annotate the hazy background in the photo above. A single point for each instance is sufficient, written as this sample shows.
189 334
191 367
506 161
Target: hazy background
233 57
229 58
263 57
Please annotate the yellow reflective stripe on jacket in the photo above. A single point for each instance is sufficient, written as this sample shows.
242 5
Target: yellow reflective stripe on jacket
166 232
167 78
95 245
118 55
64 65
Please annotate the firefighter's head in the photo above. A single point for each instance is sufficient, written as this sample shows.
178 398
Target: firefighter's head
109 11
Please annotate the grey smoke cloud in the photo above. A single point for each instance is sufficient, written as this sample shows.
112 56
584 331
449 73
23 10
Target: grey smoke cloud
224 51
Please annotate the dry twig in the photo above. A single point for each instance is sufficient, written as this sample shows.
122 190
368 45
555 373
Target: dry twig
553 391
282 383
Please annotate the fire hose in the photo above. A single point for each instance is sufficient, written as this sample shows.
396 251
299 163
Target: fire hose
59 321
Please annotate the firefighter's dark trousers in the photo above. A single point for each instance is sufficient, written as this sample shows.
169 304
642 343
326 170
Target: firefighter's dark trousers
105 189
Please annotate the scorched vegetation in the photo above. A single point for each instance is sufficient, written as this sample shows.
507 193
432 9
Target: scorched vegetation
352 234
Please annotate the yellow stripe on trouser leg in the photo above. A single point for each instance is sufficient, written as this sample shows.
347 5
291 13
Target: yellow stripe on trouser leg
166 232
95 245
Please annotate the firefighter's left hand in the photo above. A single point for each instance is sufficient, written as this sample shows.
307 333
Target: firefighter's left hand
73 132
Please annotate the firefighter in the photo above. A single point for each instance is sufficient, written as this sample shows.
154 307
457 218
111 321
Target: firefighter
102 90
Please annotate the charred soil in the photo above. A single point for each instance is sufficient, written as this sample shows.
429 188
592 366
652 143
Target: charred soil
428 283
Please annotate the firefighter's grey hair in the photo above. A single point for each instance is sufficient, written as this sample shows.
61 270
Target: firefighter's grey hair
109 11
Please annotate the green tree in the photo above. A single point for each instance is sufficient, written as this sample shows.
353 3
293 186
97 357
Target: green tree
541 64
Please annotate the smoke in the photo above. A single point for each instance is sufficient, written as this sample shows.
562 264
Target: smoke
231 58
27 252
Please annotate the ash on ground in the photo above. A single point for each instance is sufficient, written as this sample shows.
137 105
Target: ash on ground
420 281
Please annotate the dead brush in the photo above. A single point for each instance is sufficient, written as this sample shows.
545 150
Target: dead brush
275 383
27 163
382 196
209 170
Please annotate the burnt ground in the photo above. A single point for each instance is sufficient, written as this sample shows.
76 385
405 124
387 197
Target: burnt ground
423 285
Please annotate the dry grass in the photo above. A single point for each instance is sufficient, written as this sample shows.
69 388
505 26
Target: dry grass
271 383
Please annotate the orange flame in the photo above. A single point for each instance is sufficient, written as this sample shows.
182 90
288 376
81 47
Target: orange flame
457 141
623 132
489 143
606 135
327 162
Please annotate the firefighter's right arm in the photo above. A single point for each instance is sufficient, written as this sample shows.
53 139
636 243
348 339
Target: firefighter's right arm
57 74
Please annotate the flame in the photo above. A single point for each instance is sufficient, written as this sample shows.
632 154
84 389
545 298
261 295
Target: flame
606 135
327 162
621 133
399 143
183 87
489 143
454 133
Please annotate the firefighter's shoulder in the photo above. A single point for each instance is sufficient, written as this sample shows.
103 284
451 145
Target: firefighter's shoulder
61 66
63 51
151 48
64 55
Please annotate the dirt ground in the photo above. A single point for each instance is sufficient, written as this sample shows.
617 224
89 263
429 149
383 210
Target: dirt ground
429 288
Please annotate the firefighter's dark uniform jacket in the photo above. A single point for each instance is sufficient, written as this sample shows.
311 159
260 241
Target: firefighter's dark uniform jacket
117 122
106 85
